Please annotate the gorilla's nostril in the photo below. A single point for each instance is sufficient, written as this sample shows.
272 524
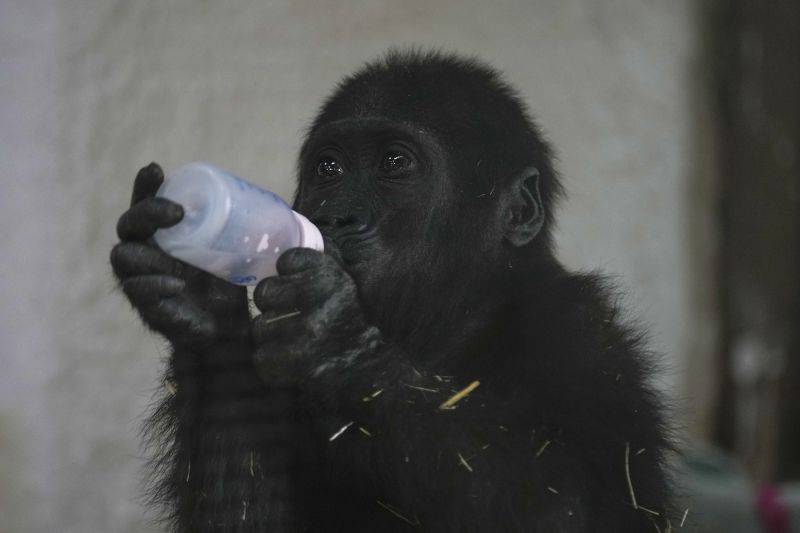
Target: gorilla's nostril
341 221
347 221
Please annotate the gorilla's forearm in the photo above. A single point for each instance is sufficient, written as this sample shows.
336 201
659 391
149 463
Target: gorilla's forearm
221 386
230 441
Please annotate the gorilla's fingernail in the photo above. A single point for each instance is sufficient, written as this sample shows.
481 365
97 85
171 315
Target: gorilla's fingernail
176 211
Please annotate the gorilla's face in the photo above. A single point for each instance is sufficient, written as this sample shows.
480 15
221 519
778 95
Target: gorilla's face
421 178
377 188
396 201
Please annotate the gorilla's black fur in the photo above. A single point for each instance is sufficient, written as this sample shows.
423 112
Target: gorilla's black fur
436 193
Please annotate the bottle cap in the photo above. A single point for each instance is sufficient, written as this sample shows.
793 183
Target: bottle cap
310 237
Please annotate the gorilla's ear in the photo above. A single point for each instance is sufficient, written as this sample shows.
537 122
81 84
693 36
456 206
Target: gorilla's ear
524 213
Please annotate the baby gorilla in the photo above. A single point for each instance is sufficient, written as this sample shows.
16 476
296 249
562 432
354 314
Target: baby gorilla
436 369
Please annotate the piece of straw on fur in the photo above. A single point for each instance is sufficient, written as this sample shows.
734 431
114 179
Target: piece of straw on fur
398 514
460 395
338 433
423 389
628 474
464 462
543 448
373 395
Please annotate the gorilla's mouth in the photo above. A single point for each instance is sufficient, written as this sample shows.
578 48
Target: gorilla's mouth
356 243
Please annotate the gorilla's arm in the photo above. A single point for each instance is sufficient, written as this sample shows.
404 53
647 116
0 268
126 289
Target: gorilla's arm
493 462
221 438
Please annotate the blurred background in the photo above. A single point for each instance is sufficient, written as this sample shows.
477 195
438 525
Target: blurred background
676 125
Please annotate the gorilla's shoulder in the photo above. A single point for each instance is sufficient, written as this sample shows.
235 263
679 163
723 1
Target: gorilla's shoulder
579 318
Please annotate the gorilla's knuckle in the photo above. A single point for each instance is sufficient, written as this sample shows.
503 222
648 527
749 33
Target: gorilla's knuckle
122 227
327 279
117 257
265 291
128 260
297 260
290 259
130 287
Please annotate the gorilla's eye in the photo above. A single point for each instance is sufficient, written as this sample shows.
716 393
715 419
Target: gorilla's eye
329 168
396 161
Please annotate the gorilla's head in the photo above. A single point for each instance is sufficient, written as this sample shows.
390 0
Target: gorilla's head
427 172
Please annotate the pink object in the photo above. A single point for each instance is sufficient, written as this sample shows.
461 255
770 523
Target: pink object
774 516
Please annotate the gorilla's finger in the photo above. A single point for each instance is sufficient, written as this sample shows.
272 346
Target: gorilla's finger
147 182
142 220
148 290
277 293
296 260
136 259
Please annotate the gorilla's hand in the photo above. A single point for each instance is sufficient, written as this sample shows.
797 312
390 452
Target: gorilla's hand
186 305
312 324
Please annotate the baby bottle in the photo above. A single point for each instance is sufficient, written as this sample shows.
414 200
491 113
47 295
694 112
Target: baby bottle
230 228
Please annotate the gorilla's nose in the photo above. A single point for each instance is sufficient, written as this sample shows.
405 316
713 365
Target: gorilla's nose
355 222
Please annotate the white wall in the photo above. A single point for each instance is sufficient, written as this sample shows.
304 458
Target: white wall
91 90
